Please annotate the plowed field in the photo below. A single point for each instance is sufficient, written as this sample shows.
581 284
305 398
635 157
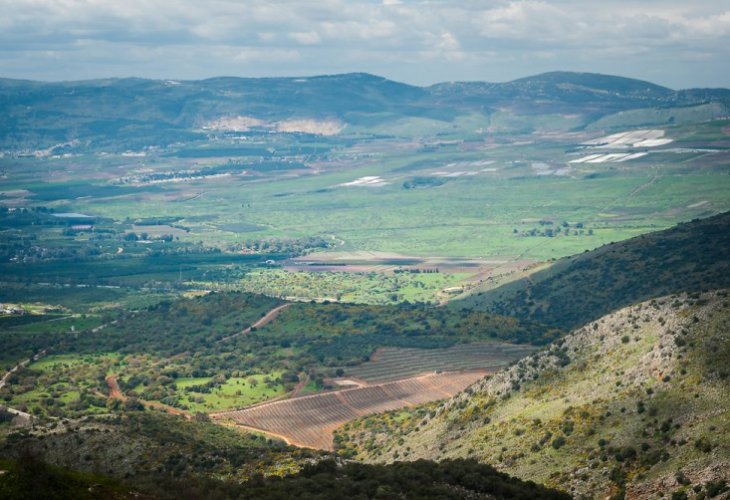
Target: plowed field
309 421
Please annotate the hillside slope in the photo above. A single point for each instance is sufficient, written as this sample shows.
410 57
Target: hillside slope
637 402
143 446
575 290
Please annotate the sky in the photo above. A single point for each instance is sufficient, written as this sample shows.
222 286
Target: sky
679 44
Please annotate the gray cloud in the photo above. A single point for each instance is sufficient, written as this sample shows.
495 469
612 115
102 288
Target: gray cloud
421 42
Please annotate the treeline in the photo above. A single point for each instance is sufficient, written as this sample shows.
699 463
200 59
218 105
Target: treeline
176 451
176 326
291 247
326 479
422 479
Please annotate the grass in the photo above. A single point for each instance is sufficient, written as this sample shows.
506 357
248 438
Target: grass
365 288
472 216
54 361
236 392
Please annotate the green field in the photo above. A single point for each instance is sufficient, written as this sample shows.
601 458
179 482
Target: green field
513 197
371 287
236 392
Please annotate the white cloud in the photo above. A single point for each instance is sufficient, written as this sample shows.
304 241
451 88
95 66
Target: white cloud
306 37
412 40
252 54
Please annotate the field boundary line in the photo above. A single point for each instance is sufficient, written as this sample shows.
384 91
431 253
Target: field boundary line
252 428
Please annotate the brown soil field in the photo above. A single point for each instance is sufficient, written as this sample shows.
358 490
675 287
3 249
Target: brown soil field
309 421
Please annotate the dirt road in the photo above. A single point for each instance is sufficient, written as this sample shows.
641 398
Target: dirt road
20 365
266 319
116 393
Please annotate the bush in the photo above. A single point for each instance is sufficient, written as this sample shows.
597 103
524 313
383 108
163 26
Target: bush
714 488
558 442
704 445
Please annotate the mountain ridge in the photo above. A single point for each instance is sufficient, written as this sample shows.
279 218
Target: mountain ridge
162 112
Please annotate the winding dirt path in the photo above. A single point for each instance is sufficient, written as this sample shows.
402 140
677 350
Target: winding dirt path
22 364
266 319
300 385
116 393
27 417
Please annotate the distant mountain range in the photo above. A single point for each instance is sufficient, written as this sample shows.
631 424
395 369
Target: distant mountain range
159 112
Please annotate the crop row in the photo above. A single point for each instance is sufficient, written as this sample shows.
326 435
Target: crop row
396 363
310 420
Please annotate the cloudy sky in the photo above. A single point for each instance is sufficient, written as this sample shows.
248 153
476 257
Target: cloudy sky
675 43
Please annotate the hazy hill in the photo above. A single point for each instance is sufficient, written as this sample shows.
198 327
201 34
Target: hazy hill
637 402
689 257
136 112
559 91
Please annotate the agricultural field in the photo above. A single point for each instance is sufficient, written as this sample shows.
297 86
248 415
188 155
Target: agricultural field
391 363
309 421
230 214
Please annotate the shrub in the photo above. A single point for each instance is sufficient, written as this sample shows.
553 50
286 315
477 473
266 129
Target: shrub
704 445
558 442
714 488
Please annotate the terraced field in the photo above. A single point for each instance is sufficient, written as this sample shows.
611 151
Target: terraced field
309 421
393 363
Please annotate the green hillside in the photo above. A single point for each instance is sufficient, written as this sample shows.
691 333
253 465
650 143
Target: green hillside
690 257
146 446
636 402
